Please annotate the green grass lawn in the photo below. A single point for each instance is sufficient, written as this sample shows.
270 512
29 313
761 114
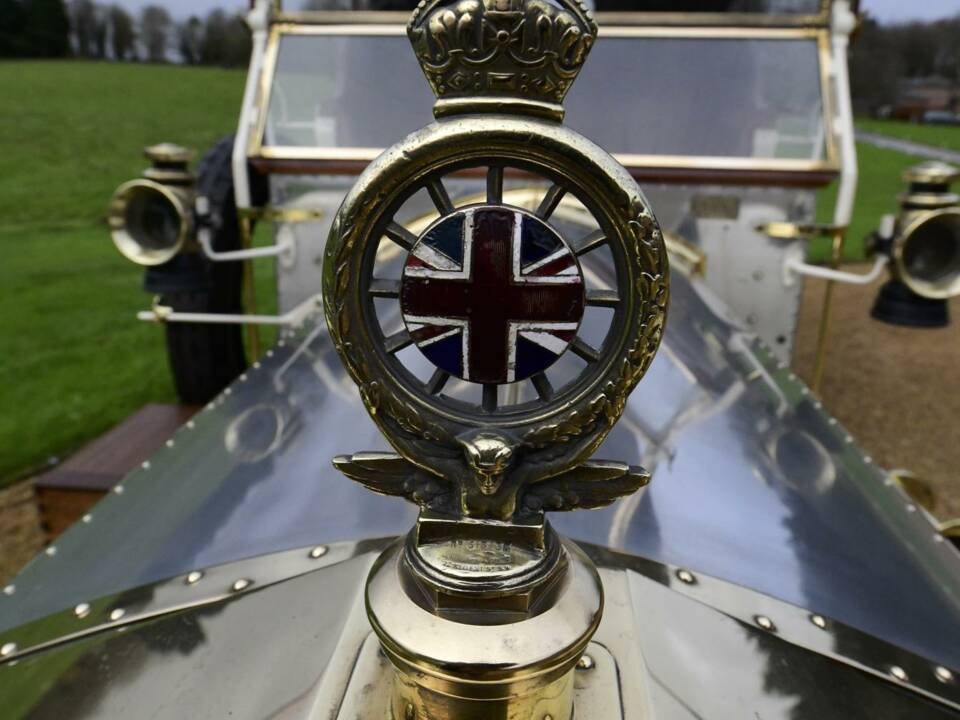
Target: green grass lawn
74 360
944 136
878 185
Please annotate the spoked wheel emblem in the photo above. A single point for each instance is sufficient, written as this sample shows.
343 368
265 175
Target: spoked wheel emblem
532 352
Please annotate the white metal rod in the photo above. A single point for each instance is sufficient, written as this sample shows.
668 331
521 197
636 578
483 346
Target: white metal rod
844 21
293 317
203 237
802 268
258 19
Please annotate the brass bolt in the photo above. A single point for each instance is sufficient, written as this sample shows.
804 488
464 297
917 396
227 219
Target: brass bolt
943 674
318 552
686 576
82 610
240 585
8 649
193 577
819 621
117 613
585 663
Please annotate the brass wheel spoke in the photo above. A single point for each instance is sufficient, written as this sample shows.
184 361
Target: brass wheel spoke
495 185
400 235
603 298
438 193
582 350
550 201
489 397
589 243
398 341
384 288
542 385
437 381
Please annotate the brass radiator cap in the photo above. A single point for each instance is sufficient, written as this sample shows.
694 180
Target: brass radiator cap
519 669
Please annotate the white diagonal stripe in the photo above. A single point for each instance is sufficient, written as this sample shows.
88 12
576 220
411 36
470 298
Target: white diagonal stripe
528 328
548 259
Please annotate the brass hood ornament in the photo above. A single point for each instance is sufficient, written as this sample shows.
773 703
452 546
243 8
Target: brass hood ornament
492 296
505 55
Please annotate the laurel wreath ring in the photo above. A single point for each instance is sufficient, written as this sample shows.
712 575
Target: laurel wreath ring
559 433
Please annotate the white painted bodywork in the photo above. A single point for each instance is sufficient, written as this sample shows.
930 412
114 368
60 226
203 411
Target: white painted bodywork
745 268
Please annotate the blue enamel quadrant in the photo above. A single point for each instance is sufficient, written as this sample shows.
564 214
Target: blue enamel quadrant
447 238
446 354
539 241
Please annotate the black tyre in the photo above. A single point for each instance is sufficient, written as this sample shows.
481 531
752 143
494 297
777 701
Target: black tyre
204 359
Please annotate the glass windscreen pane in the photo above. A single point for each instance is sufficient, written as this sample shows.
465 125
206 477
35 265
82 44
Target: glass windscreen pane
777 7
721 97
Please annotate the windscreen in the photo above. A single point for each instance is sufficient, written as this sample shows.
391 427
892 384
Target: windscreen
721 97
779 7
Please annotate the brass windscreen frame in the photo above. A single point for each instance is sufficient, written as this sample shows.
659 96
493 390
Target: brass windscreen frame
830 163
678 19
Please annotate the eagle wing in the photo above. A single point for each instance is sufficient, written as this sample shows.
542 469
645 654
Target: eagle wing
594 484
391 474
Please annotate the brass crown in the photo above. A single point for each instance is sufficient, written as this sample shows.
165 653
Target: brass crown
528 51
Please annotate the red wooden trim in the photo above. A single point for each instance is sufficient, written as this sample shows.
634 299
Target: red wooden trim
668 175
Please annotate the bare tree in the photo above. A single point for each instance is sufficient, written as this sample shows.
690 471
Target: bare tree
122 35
947 62
190 35
875 68
46 28
884 55
226 40
100 27
84 21
154 27
12 43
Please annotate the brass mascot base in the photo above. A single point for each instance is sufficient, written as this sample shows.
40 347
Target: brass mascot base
470 647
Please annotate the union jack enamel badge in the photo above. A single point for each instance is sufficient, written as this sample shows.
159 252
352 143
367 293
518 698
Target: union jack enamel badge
492 294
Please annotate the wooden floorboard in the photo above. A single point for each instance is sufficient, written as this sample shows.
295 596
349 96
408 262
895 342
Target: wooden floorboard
65 493
101 463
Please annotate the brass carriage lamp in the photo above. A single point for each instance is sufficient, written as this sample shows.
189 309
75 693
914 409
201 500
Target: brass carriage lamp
483 609
923 244
151 218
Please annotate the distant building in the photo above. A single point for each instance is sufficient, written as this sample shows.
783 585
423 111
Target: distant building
917 96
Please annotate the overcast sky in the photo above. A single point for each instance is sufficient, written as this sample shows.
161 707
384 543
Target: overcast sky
884 10
897 10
